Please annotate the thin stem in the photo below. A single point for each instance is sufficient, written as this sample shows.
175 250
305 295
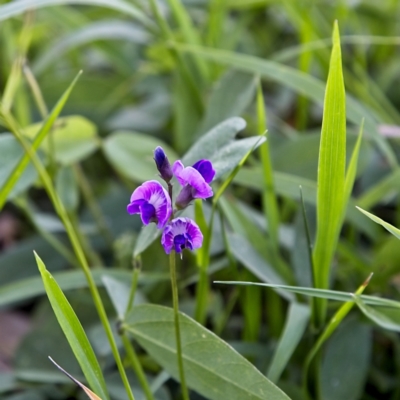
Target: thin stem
62 212
90 200
135 277
136 366
175 301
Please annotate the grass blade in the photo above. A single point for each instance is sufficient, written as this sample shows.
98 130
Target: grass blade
394 231
73 331
331 176
40 136
296 324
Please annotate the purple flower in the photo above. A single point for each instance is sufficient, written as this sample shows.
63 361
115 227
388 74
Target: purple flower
181 233
152 202
195 181
163 165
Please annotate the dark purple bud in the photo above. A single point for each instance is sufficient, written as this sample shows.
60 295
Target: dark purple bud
163 164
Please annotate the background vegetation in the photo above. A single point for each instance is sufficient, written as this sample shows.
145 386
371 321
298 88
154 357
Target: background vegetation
166 73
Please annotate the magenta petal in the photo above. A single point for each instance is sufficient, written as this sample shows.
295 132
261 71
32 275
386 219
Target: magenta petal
152 201
193 177
177 169
181 233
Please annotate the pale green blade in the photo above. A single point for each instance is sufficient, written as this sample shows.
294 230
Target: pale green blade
321 293
74 332
331 175
296 324
212 367
394 231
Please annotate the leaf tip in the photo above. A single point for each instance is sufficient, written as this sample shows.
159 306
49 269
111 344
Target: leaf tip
336 34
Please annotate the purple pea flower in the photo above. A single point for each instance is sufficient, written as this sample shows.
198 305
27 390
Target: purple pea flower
181 233
163 165
152 202
195 181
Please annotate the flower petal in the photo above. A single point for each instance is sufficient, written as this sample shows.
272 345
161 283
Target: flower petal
193 177
206 169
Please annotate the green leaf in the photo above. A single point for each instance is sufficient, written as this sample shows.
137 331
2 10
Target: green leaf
394 231
234 155
74 332
148 234
19 7
131 154
75 138
331 175
212 367
10 154
214 140
321 293
296 324
244 252
387 318
235 85
67 188
41 134
346 362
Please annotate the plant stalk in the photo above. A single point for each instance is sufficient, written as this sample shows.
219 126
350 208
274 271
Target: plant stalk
175 300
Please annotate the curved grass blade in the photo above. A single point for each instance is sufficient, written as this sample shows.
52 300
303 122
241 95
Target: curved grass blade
73 331
44 130
21 6
331 176
321 293
394 231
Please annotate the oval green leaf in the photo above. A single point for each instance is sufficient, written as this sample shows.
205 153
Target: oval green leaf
212 367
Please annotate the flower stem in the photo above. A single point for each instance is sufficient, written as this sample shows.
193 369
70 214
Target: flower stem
175 301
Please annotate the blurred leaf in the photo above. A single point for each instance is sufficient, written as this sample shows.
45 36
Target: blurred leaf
300 82
20 6
228 157
12 179
346 362
394 231
207 359
99 30
75 138
296 324
244 252
239 88
74 332
67 188
322 293
131 154
10 155
387 318
331 176
147 236
214 140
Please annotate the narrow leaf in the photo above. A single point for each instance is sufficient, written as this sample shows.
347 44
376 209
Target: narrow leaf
394 231
73 331
295 326
331 175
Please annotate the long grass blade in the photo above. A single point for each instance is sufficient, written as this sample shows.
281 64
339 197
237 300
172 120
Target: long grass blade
331 176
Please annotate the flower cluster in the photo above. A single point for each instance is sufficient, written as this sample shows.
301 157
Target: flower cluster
154 203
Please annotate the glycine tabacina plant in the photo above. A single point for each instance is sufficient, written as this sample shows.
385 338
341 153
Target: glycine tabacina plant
154 204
